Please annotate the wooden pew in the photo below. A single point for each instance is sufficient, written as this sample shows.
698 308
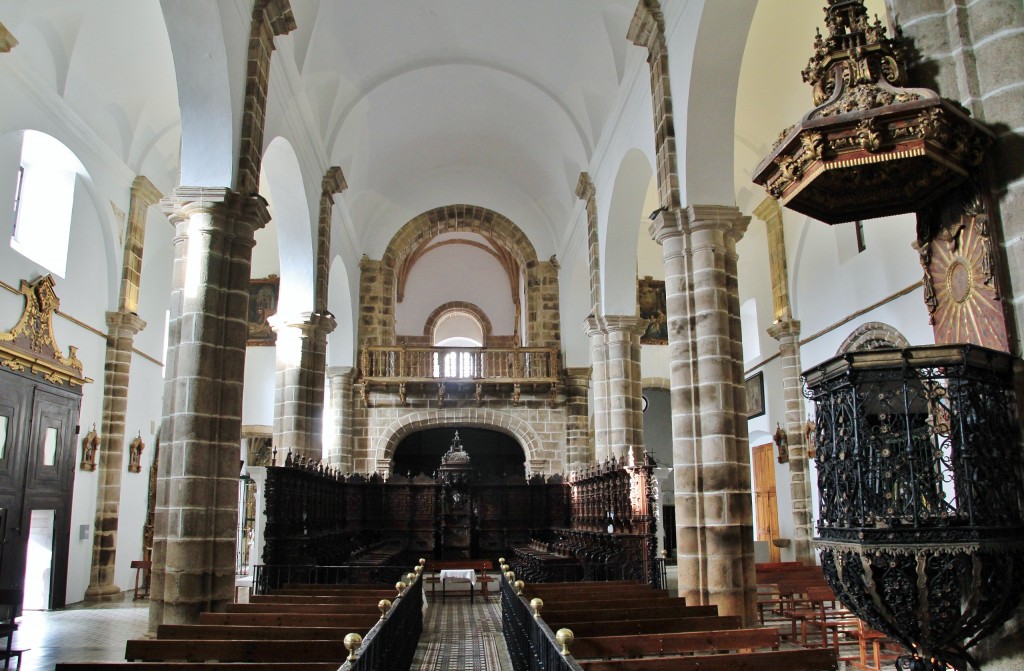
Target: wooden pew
629 601
618 627
326 608
156 650
817 659
237 632
675 643
553 613
309 599
357 622
196 666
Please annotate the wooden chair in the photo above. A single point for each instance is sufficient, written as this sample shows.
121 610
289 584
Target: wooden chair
10 602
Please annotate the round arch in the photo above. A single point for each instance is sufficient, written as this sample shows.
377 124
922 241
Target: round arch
873 335
287 194
460 218
619 242
383 449
474 311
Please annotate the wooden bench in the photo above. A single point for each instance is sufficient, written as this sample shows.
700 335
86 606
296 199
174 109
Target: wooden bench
323 609
481 566
618 627
358 622
196 666
241 632
817 659
157 650
676 643
553 613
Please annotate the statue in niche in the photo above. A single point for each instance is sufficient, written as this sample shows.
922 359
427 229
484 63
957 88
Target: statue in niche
90 446
135 454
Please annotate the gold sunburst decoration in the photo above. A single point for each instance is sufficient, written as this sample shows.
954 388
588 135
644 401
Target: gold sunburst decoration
968 309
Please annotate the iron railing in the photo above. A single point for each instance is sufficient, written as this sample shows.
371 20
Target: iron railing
531 643
391 644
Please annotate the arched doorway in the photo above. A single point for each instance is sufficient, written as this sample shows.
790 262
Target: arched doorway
492 453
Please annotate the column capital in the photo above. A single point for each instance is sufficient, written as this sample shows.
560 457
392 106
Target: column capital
630 324
787 329
592 326
308 323
333 181
665 223
727 218
647 26
221 202
144 191
7 41
769 210
585 187
122 320
578 375
341 371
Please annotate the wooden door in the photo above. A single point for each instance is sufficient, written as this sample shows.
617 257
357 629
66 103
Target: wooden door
765 502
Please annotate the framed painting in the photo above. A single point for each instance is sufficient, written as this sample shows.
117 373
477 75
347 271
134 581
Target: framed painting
263 293
650 297
755 395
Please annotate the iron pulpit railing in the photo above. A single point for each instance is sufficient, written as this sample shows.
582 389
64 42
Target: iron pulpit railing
921 492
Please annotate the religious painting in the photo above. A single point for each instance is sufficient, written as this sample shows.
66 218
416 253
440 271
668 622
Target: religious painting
651 300
263 293
755 395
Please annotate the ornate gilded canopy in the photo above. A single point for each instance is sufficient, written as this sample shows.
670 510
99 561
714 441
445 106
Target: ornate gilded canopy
871 147
30 345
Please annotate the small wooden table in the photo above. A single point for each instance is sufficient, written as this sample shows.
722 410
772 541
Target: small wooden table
458 574
142 568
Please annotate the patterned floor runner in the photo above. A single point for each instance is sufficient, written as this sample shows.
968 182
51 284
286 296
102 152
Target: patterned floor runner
459 636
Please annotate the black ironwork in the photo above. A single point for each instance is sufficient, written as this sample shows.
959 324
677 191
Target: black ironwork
530 642
391 643
921 486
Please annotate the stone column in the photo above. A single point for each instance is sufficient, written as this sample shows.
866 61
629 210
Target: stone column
121 330
787 331
724 487
585 191
599 378
299 384
197 493
625 390
578 449
122 327
339 452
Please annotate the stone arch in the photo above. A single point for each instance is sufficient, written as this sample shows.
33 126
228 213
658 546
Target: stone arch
464 219
458 306
873 335
383 450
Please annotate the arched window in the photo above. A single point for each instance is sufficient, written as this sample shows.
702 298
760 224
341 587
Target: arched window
462 328
43 200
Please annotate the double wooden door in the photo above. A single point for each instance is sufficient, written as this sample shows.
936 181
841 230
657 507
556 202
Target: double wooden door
38 425
765 500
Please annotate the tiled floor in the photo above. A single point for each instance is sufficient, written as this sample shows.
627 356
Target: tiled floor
79 633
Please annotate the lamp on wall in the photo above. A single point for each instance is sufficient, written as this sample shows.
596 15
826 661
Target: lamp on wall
782 443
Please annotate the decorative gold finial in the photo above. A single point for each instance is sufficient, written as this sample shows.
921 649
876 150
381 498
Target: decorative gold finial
511 576
536 603
519 585
422 561
400 586
564 638
410 577
504 568
501 560
383 606
352 643
418 569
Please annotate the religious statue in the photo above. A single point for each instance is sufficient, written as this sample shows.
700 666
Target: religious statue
135 454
